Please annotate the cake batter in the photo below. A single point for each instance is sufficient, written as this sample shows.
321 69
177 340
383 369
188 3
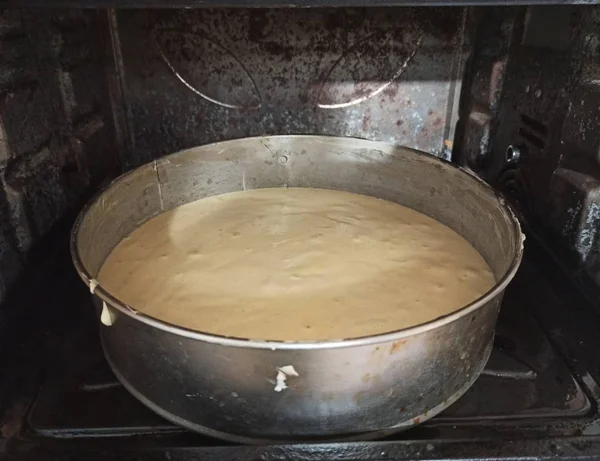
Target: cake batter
295 264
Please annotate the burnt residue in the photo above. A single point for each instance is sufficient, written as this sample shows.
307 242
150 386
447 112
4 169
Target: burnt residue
533 86
397 346
224 80
211 75
57 140
440 22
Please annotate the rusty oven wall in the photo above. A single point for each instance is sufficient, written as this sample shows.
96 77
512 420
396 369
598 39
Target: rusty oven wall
191 77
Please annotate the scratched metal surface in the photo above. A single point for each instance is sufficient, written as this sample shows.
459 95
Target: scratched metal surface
189 77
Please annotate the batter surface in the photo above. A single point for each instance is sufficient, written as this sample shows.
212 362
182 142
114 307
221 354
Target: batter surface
295 264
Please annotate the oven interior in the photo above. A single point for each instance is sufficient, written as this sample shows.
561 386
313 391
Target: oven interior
510 92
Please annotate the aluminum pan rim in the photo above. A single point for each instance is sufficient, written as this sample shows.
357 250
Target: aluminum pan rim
395 335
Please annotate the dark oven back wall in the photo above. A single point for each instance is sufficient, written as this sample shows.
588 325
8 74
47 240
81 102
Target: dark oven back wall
56 131
191 77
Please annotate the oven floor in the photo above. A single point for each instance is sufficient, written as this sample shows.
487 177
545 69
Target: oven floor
524 379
